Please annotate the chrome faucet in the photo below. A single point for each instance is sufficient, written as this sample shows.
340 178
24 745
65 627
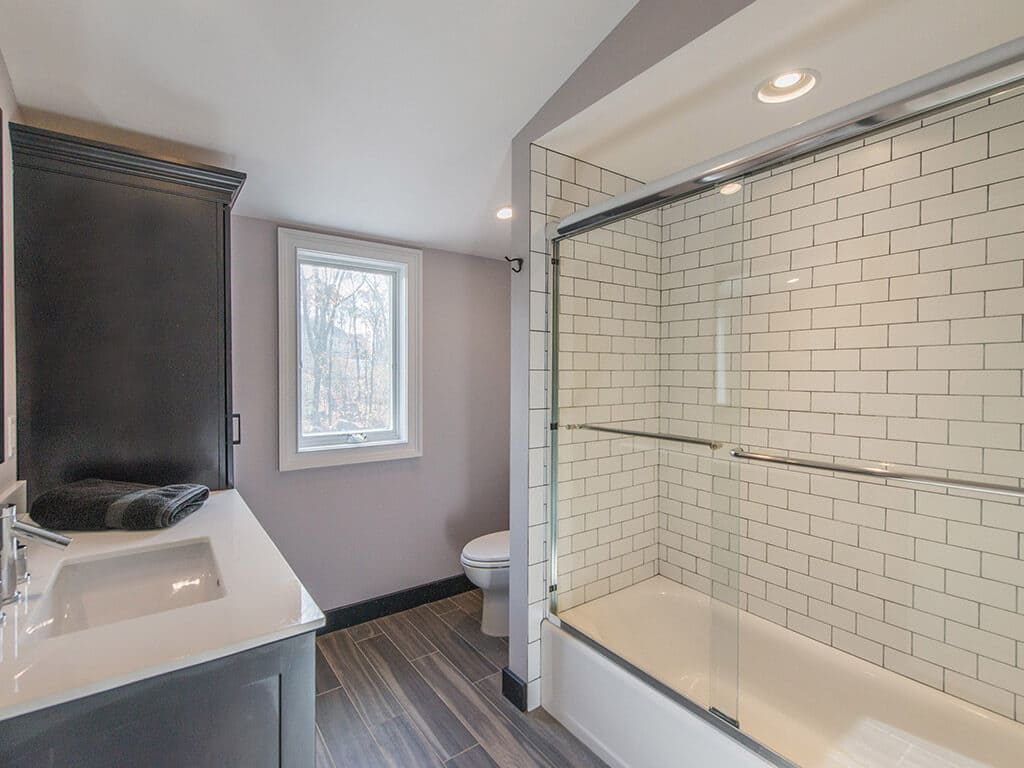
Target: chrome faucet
13 563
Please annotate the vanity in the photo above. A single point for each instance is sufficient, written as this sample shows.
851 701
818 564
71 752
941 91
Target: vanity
187 646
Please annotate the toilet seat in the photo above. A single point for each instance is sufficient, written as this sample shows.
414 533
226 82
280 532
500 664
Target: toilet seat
489 551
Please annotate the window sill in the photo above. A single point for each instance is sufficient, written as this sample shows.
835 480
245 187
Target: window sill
339 457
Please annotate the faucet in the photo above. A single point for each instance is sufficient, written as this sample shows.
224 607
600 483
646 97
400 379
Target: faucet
13 564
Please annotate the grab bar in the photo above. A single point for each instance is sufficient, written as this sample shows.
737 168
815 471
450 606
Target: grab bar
713 445
884 474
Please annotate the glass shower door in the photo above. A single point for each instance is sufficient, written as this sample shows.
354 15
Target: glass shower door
702 260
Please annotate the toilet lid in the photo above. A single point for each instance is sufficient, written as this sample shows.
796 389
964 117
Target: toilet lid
492 548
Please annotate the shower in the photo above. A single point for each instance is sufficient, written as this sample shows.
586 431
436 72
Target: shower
784 459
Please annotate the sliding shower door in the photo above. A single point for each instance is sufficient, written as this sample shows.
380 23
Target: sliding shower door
702 306
645 371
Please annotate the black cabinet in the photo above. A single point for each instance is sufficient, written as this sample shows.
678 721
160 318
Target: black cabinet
253 709
122 301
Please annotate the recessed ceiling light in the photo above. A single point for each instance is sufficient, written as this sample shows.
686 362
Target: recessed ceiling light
504 212
731 188
786 86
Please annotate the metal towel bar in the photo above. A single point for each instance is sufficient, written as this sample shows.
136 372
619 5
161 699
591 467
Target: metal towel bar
713 445
884 474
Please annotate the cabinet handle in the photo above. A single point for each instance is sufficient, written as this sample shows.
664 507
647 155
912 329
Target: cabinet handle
236 429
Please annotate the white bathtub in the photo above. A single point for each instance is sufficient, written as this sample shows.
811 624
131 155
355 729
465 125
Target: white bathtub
815 705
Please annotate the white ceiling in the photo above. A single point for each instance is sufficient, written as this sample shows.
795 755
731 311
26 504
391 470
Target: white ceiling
699 102
387 118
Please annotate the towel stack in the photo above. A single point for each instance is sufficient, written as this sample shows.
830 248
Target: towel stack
96 505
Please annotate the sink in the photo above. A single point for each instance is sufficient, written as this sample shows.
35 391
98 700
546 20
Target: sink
106 589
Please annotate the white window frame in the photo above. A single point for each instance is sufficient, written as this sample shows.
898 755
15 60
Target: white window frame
406 442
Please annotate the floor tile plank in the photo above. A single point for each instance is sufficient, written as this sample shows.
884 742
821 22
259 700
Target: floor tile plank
494 649
443 605
410 642
472 758
363 631
471 602
370 695
403 745
544 732
441 728
346 736
449 642
325 678
323 757
506 745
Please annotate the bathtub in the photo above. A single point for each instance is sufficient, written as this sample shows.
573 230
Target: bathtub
809 704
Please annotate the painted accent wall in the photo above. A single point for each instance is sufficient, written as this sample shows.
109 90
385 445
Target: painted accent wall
361 531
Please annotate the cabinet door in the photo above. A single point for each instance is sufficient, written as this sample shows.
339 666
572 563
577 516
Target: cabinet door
121 333
254 709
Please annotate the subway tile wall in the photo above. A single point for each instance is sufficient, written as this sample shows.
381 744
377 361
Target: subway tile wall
874 316
609 368
863 306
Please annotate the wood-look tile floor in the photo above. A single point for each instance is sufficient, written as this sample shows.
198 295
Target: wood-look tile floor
423 688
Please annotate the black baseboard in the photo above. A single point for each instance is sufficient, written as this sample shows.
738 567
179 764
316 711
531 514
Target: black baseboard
513 688
374 608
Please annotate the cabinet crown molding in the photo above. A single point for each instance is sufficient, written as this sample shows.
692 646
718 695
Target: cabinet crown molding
41 148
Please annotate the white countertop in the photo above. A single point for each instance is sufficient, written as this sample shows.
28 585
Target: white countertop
263 601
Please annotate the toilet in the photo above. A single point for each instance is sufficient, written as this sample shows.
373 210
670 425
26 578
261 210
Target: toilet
485 561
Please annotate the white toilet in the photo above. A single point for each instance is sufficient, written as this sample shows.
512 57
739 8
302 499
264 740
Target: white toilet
485 560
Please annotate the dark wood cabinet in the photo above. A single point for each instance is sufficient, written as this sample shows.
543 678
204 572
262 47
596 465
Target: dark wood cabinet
252 709
122 301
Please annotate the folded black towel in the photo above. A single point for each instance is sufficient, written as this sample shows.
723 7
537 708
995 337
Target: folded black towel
95 505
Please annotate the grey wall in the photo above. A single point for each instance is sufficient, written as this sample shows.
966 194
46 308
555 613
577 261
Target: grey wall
360 531
8 470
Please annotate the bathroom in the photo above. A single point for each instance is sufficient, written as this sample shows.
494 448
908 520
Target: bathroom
648 393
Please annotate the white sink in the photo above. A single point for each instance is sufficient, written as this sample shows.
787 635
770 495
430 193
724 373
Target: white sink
103 590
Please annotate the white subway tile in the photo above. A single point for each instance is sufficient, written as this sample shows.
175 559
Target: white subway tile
1006 139
922 139
816 171
924 236
1008 274
945 655
838 186
964 305
1001 168
914 668
892 172
1006 194
951 206
955 154
916 286
922 187
986 330
893 265
934 332
989 118
1004 383
901 216
952 357
987 696
841 229
872 154
991 224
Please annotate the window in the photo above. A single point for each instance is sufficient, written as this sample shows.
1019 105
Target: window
349 350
